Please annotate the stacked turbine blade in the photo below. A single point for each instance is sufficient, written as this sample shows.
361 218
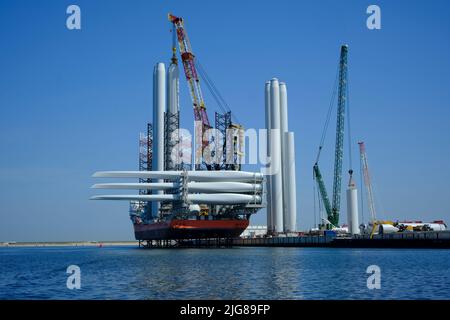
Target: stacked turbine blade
204 187
201 176
200 198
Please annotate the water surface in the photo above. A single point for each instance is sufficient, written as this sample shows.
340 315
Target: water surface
232 273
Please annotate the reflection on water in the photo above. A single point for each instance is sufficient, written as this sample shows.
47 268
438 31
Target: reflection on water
232 273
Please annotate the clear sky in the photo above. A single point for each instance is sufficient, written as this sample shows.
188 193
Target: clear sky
74 101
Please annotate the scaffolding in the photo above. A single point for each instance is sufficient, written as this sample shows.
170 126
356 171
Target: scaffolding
172 141
233 140
235 134
222 123
145 153
139 210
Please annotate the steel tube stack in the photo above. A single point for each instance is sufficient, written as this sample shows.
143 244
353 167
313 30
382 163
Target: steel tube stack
280 180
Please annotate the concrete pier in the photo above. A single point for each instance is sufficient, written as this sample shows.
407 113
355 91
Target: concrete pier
428 240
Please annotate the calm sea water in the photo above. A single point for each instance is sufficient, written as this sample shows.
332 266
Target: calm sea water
235 273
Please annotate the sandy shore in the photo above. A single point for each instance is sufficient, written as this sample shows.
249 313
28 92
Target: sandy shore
70 244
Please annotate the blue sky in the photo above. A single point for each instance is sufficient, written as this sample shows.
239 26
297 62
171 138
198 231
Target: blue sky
74 102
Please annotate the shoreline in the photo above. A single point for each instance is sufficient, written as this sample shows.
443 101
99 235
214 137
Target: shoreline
69 244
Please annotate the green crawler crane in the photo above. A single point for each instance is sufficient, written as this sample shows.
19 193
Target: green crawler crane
332 210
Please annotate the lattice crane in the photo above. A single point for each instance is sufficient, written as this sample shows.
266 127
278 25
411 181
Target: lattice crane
190 70
333 209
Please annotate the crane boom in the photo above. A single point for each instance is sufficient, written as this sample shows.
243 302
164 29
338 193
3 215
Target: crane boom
333 209
190 70
322 190
339 151
367 180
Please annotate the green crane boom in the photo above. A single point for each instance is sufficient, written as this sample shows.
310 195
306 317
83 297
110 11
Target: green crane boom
333 209
322 189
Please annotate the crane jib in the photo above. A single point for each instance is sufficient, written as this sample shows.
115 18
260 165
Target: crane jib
333 209
342 92
191 73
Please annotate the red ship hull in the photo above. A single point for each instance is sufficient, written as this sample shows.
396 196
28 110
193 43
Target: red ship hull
190 229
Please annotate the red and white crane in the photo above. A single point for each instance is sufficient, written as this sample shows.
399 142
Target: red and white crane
192 77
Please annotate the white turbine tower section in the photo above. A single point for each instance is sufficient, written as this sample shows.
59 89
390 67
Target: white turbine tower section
201 198
275 152
269 178
290 188
352 209
159 106
283 131
173 89
201 176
